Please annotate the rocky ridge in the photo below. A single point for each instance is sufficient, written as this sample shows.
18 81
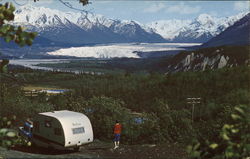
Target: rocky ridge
209 58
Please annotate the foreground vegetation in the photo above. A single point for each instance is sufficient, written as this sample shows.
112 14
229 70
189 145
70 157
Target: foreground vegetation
152 107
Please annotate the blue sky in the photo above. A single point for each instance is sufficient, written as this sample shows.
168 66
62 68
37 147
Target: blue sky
148 11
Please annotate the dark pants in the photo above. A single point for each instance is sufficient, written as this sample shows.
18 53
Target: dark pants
117 137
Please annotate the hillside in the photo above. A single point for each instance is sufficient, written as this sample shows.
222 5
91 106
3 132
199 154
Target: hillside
158 100
209 58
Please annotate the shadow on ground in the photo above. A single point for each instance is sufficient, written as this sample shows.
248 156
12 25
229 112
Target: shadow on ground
42 151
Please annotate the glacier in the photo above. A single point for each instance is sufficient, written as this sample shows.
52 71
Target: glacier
128 50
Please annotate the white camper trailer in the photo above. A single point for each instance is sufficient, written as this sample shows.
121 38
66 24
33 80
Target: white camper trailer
61 129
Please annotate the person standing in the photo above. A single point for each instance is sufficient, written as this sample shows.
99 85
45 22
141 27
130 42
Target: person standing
117 133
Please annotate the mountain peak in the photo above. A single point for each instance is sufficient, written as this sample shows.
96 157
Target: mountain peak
27 7
41 16
205 19
198 30
236 34
204 16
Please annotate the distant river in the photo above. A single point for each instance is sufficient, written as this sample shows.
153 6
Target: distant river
31 63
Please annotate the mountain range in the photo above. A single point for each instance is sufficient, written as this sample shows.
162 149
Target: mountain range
67 29
199 30
236 34
75 29
228 49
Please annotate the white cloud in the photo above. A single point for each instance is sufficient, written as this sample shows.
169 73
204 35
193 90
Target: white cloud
242 6
46 1
102 2
183 8
155 8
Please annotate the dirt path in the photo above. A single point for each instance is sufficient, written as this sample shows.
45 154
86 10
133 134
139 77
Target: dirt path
101 150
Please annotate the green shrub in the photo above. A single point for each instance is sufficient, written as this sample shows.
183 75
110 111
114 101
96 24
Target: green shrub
8 136
233 141
103 112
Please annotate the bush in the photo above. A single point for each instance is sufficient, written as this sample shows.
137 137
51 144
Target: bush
233 142
8 136
103 112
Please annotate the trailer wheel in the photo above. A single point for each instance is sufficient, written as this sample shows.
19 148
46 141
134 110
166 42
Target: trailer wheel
33 144
76 149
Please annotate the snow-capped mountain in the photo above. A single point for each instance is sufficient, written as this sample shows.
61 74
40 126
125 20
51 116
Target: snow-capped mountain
42 17
201 29
75 29
169 29
237 34
228 49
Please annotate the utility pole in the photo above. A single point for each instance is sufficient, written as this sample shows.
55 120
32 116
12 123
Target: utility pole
193 101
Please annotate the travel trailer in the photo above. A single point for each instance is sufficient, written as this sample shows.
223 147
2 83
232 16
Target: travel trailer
59 129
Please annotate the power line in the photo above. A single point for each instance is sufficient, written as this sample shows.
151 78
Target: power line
15 1
67 4
193 101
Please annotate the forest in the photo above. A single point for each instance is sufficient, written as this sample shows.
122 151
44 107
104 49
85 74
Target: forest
152 107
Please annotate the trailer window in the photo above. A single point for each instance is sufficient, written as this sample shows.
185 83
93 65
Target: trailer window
78 130
57 131
48 124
